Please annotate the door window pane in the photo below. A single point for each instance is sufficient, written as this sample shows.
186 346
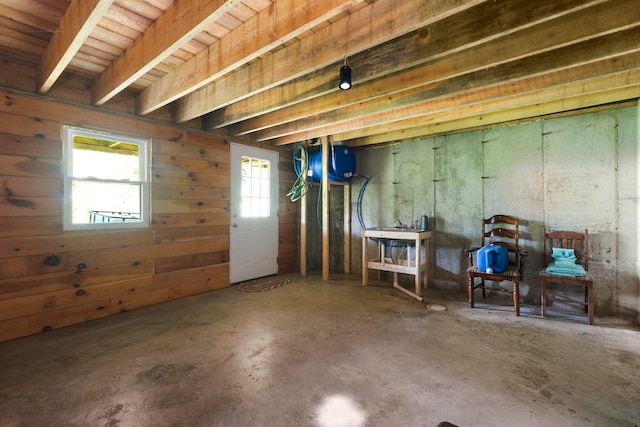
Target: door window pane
256 184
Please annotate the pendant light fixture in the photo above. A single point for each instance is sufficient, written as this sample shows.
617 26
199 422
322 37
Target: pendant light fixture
345 76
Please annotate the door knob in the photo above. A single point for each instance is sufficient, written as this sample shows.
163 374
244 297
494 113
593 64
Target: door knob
235 225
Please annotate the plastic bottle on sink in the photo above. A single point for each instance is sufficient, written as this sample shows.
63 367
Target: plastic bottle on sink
424 221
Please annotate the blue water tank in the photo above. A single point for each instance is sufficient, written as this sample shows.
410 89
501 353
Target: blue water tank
493 258
342 163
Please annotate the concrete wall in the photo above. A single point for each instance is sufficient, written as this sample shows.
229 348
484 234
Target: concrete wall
568 173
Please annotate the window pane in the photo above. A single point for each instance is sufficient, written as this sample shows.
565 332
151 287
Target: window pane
105 202
245 192
264 168
245 207
105 180
105 159
256 186
255 165
246 166
264 207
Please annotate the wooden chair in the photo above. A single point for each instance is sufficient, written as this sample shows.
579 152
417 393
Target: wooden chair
499 230
579 242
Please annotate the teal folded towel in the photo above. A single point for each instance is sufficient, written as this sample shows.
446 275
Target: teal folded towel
566 270
564 263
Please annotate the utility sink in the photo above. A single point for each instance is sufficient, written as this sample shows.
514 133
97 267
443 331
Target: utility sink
395 241
413 230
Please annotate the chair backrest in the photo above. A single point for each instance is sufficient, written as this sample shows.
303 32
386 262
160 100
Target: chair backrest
502 230
579 242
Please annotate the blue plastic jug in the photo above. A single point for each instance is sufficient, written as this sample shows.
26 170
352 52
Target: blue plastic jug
493 258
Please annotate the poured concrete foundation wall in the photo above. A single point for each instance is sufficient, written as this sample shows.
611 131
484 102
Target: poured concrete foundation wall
567 173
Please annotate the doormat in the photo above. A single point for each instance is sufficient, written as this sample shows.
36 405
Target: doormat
262 284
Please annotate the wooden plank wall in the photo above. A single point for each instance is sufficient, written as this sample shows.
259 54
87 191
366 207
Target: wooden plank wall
288 218
50 279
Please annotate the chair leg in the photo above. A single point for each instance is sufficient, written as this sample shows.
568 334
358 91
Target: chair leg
589 291
470 280
516 296
543 296
586 299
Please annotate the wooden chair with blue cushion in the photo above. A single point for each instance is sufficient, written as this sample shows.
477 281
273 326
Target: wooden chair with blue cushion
563 244
499 230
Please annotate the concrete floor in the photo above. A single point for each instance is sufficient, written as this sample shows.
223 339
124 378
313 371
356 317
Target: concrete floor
314 353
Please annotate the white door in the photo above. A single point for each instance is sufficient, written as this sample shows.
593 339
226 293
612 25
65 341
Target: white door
254 213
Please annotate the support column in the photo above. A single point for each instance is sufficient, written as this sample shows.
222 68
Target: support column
347 228
303 234
325 207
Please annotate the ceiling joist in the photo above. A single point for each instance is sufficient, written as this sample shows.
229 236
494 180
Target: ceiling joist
285 20
265 71
446 59
184 20
403 103
375 24
77 24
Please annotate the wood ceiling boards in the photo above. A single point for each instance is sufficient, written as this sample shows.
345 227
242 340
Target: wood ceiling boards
267 70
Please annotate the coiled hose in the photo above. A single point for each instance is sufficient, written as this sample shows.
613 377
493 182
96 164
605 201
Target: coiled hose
301 167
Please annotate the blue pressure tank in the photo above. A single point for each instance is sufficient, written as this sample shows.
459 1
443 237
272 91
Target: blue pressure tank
342 163
493 258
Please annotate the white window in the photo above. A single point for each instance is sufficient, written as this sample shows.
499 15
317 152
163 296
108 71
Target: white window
106 181
256 188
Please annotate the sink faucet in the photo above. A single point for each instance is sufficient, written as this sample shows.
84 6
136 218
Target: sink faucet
397 223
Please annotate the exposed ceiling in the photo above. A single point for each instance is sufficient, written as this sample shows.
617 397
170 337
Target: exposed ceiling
268 69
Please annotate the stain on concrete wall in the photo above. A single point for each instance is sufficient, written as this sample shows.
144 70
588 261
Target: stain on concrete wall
565 173
513 184
628 139
458 206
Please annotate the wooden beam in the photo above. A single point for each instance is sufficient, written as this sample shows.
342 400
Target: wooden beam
347 228
377 23
303 233
277 24
513 115
75 27
584 80
180 23
474 27
591 93
325 207
587 59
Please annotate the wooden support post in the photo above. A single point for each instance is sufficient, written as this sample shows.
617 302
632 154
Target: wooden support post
325 208
347 228
303 234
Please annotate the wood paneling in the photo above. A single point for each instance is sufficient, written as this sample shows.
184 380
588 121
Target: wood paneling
30 146
21 186
287 217
77 279
50 278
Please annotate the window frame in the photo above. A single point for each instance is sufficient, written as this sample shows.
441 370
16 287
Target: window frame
69 132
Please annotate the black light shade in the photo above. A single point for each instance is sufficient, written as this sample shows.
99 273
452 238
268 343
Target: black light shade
345 77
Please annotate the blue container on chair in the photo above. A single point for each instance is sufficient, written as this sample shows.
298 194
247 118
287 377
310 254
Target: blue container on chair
493 258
